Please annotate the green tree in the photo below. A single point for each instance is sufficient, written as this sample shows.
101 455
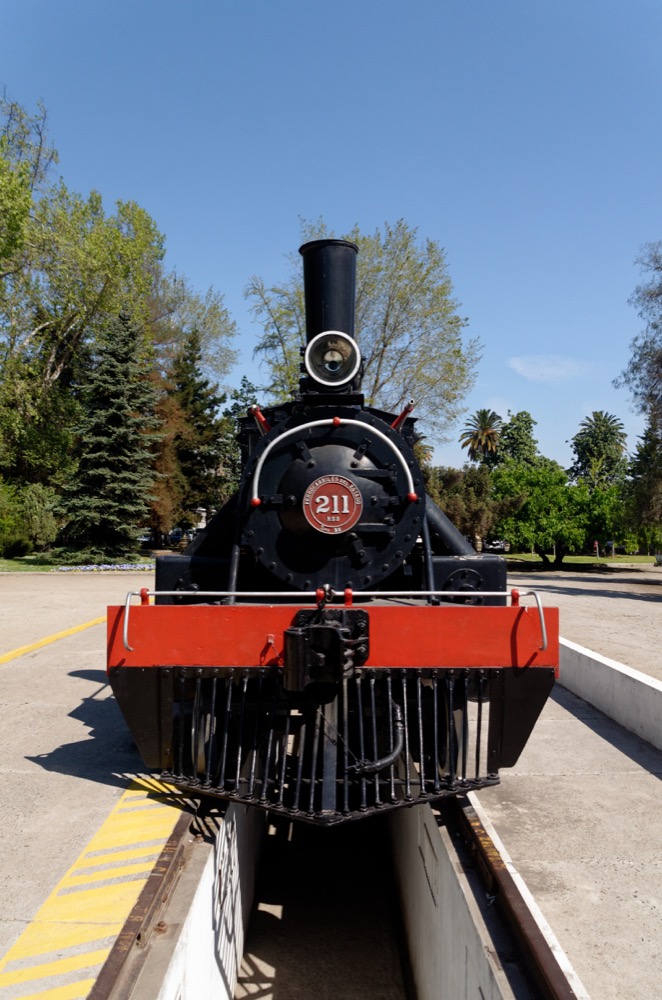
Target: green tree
466 496
65 266
407 325
24 137
643 493
240 399
15 204
542 511
10 519
27 518
599 448
480 435
110 496
197 446
516 442
643 374
176 310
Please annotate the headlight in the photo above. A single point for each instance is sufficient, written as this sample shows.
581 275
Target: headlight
332 358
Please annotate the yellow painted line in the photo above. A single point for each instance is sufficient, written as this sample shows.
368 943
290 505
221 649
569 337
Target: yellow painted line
77 991
22 650
87 960
73 931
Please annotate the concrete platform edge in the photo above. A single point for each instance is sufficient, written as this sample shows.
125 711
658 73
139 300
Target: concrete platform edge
452 952
548 933
198 952
629 697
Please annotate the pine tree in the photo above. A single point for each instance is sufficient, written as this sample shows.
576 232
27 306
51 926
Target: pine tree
110 496
196 440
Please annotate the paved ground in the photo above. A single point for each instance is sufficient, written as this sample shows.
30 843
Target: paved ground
34 605
65 753
580 812
617 613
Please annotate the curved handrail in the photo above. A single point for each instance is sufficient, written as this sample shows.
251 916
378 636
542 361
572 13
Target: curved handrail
328 422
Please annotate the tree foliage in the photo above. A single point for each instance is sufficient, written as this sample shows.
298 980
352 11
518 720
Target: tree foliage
599 448
176 312
643 493
466 496
197 441
480 435
407 324
516 441
643 374
65 268
544 514
110 494
68 269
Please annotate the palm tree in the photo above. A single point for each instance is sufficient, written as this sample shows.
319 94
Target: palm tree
481 434
599 446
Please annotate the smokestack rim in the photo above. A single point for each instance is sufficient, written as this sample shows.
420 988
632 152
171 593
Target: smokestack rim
305 247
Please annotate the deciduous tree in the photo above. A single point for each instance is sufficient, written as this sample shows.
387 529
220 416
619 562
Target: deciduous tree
516 441
407 325
465 495
65 267
643 374
544 513
643 493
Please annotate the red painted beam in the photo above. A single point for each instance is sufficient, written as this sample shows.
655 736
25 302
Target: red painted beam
400 636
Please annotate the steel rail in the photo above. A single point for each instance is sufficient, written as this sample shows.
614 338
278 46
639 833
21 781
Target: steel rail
535 956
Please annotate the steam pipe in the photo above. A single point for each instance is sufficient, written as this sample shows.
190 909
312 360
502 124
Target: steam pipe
442 529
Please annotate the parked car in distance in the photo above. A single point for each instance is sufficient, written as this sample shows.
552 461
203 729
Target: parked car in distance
496 545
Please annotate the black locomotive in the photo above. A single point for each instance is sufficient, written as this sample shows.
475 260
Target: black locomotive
330 645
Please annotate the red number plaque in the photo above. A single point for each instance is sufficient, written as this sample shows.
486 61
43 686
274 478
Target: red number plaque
332 504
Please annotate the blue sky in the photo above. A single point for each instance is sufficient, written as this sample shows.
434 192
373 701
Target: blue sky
524 137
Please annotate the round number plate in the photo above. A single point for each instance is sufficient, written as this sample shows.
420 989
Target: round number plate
332 504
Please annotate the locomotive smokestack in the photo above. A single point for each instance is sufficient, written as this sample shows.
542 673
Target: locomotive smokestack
329 277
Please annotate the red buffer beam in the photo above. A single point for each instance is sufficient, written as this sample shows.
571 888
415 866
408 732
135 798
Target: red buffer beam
423 636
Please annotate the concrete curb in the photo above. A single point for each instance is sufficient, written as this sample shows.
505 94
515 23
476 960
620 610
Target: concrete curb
627 696
199 951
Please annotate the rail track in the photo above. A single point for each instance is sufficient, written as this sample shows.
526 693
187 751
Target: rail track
531 950
326 901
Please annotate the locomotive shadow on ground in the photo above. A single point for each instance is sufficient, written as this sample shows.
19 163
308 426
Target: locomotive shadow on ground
648 757
108 755
612 587
602 589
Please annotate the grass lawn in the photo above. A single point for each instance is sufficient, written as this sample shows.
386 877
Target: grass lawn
584 560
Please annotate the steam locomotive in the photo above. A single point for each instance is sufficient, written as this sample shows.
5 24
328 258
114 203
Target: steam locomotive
330 646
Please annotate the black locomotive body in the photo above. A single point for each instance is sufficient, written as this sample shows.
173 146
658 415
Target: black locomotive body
330 645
